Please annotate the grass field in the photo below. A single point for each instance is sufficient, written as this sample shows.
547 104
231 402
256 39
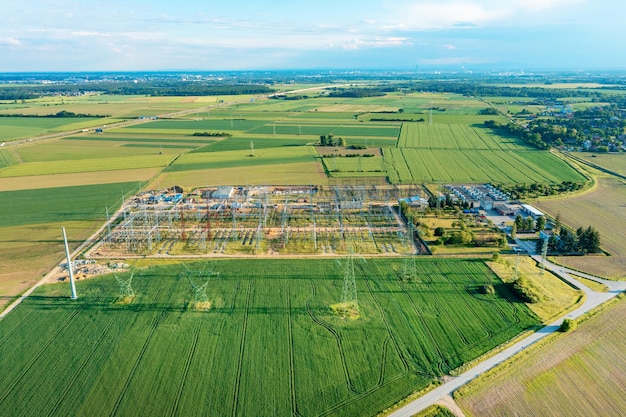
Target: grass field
582 373
406 165
613 162
242 158
602 208
269 345
86 165
12 128
299 173
50 205
461 153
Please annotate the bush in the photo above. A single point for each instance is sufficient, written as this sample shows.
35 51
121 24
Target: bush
567 325
522 289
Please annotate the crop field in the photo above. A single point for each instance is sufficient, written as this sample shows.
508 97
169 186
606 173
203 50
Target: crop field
613 162
453 137
299 173
242 158
51 205
269 344
581 373
405 165
12 128
86 165
242 142
609 198
31 182
355 166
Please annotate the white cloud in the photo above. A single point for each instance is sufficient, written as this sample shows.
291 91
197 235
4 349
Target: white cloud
10 41
376 42
432 15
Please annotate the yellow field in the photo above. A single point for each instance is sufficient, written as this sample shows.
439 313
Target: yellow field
84 178
29 252
602 208
557 295
582 373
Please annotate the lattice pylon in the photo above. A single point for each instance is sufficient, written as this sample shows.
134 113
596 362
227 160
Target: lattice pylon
199 290
126 288
349 294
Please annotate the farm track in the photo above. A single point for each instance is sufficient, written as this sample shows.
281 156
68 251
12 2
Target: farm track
43 349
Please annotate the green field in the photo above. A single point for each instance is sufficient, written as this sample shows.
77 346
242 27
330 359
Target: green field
86 165
461 153
53 205
269 345
12 128
242 158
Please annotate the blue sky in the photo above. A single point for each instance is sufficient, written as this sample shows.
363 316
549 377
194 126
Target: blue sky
119 35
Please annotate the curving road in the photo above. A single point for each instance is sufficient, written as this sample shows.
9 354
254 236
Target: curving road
593 300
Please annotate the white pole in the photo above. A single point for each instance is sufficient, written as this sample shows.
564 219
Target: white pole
69 267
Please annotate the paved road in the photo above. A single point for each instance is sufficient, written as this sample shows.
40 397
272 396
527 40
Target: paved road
593 300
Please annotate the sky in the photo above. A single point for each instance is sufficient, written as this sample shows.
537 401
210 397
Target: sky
145 35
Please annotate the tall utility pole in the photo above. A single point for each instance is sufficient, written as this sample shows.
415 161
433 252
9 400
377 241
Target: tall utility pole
69 268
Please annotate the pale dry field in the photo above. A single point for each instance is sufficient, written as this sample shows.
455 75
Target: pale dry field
75 179
581 373
605 209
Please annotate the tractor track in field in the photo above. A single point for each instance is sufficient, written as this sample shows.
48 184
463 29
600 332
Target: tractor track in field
83 363
242 349
43 349
155 324
188 360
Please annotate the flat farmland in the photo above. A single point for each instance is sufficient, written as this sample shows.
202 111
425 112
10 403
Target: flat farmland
405 165
602 208
86 165
298 173
582 373
30 228
31 182
12 128
613 162
243 158
269 345
455 137
356 166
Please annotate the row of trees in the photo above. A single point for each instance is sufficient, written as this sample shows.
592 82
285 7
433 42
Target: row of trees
330 140
583 240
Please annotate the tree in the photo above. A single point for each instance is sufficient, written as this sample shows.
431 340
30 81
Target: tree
557 223
513 231
567 241
567 325
519 222
539 246
540 223
589 240
439 231
529 224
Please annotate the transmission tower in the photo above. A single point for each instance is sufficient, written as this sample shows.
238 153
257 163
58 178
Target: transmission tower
199 289
516 268
544 254
348 295
251 148
126 289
